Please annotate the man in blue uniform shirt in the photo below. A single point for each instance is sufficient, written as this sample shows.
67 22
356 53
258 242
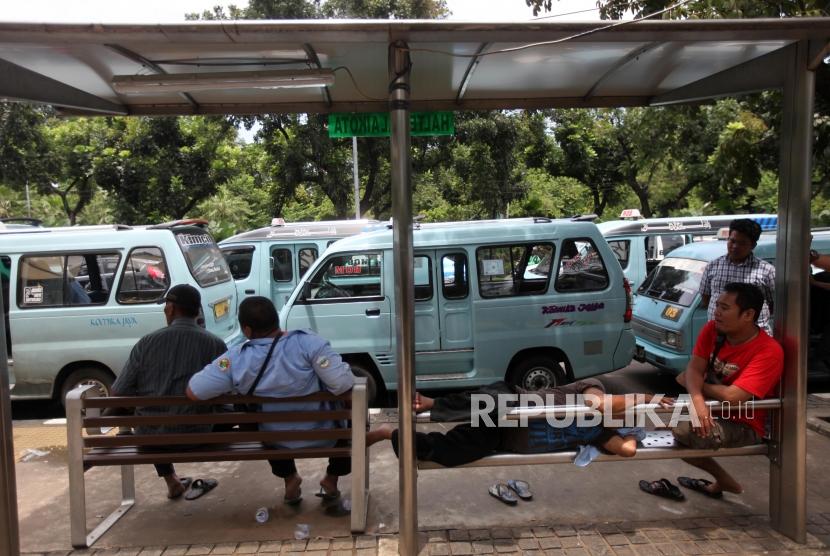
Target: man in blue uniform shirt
302 363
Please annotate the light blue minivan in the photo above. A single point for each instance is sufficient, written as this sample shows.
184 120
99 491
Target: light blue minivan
641 243
270 261
481 314
668 315
78 298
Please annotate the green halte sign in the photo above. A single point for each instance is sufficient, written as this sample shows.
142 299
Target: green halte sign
376 124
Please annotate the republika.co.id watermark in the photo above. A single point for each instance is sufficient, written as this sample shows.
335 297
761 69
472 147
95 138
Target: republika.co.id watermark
589 410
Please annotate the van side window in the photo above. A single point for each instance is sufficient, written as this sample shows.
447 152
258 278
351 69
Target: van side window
144 278
356 275
239 261
60 280
281 265
507 270
456 283
305 258
621 249
581 267
422 277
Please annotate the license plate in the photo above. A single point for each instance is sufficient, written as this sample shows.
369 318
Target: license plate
672 313
221 309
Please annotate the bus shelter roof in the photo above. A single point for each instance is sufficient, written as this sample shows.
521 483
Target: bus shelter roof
455 65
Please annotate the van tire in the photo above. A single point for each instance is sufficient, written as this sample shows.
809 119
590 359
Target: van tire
86 375
537 372
374 394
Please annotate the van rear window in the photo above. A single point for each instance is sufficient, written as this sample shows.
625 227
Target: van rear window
204 259
513 270
675 280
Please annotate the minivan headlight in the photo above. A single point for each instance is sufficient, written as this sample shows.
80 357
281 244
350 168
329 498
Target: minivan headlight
673 340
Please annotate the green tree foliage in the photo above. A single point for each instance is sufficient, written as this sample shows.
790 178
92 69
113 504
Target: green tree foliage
22 145
161 168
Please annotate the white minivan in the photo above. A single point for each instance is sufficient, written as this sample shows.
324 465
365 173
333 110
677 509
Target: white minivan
77 299
486 309
270 261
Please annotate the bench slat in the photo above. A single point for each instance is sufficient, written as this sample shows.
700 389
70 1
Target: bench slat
100 457
139 401
213 438
217 418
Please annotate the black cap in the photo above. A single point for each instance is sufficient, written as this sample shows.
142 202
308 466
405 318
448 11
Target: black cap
185 296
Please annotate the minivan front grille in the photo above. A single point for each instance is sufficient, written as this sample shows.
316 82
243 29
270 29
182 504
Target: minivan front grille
647 331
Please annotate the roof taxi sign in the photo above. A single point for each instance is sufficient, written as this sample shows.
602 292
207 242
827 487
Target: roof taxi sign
376 124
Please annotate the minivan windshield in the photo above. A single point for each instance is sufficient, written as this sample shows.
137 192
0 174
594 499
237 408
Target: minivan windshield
676 280
205 260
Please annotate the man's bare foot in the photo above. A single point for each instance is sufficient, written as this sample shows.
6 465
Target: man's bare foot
422 403
175 488
383 432
293 492
727 485
329 485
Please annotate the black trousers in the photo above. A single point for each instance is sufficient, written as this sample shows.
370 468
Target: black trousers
462 444
164 469
338 467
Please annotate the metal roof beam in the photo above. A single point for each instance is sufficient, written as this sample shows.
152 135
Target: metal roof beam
19 83
758 74
468 74
314 59
136 57
633 55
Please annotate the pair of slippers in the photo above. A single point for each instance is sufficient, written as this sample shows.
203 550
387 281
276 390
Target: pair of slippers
194 489
509 492
667 489
327 497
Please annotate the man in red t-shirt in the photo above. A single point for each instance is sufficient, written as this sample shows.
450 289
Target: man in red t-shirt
733 361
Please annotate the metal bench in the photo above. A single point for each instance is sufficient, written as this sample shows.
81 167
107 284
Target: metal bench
658 444
89 447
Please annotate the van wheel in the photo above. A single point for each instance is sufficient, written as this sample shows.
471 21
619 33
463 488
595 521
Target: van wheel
100 379
538 372
373 392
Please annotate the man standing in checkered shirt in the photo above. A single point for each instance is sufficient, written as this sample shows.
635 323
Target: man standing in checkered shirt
740 265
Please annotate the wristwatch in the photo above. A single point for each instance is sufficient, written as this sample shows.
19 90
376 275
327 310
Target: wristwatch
813 255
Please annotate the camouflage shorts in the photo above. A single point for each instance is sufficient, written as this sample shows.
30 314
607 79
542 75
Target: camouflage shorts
725 434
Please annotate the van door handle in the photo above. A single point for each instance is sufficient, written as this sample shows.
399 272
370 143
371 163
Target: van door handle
372 312
250 292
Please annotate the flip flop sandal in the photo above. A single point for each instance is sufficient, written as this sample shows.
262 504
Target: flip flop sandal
185 482
699 485
199 488
521 488
503 493
294 501
327 496
663 488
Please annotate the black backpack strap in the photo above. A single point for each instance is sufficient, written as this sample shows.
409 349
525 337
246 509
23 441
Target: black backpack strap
264 364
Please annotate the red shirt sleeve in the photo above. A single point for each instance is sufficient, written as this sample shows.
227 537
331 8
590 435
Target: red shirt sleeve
764 370
705 341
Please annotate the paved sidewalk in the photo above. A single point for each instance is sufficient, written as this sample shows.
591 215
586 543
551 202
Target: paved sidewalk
737 535
593 511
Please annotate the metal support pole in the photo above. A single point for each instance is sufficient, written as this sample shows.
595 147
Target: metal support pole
9 533
356 181
788 465
399 67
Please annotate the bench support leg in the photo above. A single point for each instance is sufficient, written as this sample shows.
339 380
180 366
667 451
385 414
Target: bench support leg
788 469
127 502
77 486
360 457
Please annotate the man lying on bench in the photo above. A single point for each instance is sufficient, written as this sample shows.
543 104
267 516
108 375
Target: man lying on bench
468 442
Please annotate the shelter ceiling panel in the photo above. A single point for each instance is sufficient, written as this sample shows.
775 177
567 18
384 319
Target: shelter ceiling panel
86 67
